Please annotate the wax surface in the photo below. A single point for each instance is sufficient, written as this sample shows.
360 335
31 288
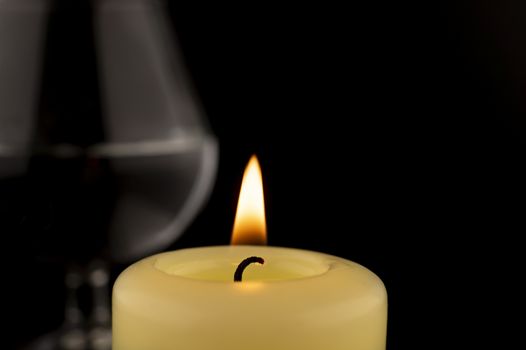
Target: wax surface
298 299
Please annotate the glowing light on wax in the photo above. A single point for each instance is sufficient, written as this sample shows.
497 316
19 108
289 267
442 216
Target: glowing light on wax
215 298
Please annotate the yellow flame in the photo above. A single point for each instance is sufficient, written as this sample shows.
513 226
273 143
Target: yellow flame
249 225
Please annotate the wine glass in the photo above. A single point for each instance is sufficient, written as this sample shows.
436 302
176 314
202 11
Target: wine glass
104 148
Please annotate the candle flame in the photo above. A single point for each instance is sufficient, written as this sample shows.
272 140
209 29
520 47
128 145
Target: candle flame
249 225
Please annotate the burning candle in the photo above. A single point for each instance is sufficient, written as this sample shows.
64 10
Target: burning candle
248 296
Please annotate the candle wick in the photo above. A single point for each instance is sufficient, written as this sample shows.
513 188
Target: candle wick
238 275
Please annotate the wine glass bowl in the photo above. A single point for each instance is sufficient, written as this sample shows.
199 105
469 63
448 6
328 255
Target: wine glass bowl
104 138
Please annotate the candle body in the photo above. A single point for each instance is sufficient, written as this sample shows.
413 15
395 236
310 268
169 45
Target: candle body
297 300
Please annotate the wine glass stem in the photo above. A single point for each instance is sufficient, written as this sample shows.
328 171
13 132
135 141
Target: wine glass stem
72 313
100 325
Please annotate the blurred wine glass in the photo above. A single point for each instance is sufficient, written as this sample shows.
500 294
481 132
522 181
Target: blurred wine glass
103 137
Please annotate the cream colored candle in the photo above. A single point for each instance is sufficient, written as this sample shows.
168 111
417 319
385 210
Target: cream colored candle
296 300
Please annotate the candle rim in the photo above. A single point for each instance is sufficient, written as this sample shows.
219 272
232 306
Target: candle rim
326 261
342 279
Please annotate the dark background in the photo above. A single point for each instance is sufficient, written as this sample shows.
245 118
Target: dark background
389 133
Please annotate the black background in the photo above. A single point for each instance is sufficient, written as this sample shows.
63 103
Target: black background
389 133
